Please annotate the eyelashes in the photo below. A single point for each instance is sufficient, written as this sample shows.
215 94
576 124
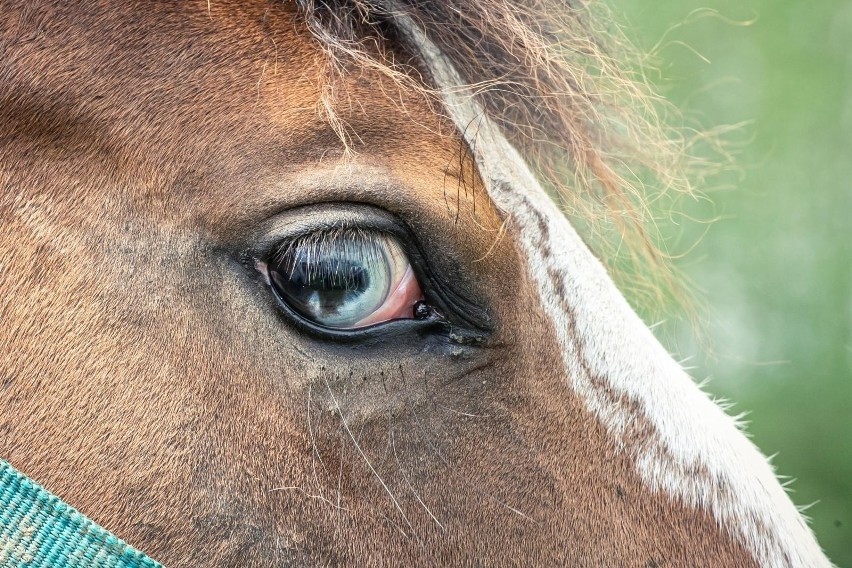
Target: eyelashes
313 252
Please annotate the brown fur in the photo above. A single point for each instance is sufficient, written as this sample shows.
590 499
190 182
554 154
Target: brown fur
148 380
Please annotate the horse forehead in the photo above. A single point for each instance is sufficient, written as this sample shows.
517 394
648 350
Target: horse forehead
246 87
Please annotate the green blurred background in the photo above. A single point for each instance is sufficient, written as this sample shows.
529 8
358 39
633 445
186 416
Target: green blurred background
776 268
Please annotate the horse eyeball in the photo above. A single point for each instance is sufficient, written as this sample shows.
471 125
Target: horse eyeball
345 279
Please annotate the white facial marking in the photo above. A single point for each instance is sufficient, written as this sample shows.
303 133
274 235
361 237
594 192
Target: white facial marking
695 452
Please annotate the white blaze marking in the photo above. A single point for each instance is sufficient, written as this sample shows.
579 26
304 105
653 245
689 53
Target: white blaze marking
696 453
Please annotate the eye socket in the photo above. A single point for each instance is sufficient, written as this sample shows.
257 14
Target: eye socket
345 278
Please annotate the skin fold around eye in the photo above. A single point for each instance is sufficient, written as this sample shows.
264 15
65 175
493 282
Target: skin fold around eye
344 278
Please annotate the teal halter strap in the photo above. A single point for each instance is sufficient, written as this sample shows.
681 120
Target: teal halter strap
39 530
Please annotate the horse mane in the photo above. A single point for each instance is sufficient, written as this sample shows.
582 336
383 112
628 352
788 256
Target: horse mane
567 89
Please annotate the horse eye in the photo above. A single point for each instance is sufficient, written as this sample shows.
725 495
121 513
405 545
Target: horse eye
345 279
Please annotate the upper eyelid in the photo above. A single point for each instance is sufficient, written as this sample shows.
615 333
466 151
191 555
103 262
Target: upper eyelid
293 224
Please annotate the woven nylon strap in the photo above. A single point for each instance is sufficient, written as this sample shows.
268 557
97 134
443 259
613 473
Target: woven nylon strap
39 530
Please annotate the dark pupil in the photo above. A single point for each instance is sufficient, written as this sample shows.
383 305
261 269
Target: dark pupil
319 288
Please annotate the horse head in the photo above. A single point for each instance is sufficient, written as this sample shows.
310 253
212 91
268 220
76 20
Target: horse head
282 284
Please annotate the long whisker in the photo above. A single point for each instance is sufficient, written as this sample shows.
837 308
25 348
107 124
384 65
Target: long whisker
340 483
307 494
408 482
315 454
436 451
366 459
460 413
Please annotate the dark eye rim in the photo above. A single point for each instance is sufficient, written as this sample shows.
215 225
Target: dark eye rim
454 316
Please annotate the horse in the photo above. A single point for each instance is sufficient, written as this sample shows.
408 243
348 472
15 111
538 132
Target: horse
291 283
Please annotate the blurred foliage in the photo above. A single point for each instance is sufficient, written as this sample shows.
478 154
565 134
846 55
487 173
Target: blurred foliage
775 267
